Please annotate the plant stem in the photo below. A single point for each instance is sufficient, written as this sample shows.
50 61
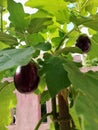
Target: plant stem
64 115
61 42
54 110
1 19
41 120
83 5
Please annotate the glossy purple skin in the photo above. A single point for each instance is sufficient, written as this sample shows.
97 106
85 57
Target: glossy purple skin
84 43
27 79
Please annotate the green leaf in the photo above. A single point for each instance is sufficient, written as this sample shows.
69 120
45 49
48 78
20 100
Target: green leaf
43 46
49 5
94 47
45 96
14 57
86 104
58 8
36 53
91 6
3 3
7 102
41 14
90 21
38 24
72 37
3 46
46 56
67 50
75 118
56 76
56 41
34 39
18 18
8 39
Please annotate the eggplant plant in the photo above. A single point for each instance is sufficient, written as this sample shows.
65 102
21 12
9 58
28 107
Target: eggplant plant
42 44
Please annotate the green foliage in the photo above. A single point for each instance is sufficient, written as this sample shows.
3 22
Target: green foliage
45 37
43 46
86 103
8 39
45 96
34 39
18 19
56 8
3 3
36 26
14 57
56 76
90 21
93 53
7 102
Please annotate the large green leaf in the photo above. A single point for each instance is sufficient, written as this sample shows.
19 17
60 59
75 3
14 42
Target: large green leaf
58 8
7 102
17 16
86 104
49 5
56 76
13 57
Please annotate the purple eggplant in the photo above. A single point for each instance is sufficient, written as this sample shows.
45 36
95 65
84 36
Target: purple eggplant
26 78
84 43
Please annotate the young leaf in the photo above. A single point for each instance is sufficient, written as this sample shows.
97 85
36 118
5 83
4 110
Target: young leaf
17 17
38 24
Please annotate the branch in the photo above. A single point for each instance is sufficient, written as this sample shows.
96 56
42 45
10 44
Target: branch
61 42
41 120
63 110
54 110
1 19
